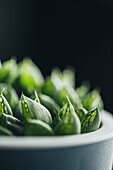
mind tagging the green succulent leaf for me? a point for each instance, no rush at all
(34, 110)
(52, 85)
(4, 119)
(57, 80)
(92, 100)
(69, 76)
(5, 132)
(66, 77)
(8, 71)
(83, 90)
(10, 94)
(18, 113)
(37, 128)
(4, 105)
(67, 121)
(91, 121)
(29, 77)
(12, 124)
(50, 104)
(81, 112)
(16, 129)
(37, 98)
(71, 93)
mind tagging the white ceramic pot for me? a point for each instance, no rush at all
(91, 151)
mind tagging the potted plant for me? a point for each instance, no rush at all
(58, 126)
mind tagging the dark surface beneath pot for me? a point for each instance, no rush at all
(96, 156)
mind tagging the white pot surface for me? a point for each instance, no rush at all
(104, 133)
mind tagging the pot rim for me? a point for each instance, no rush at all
(102, 134)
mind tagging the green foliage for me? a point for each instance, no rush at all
(54, 106)
(67, 121)
(10, 94)
(11, 123)
(92, 100)
(67, 90)
(52, 85)
(37, 128)
(34, 110)
(4, 106)
(81, 112)
(5, 132)
(28, 77)
(50, 104)
(91, 121)
(83, 90)
(8, 71)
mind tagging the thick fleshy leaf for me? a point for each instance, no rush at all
(83, 90)
(5, 132)
(56, 88)
(81, 112)
(52, 85)
(92, 100)
(16, 129)
(34, 110)
(37, 128)
(71, 93)
(50, 104)
(91, 121)
(37, 98)
(29, 77)
(18, 113)
(57, 80)
(4, 106)
(8, 70)
(67, 121)
(11, 123)
(9, 118)
(10, 94)
(69, 76)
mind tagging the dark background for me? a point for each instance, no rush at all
(61, 33)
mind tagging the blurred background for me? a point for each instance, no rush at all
(61, 33)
